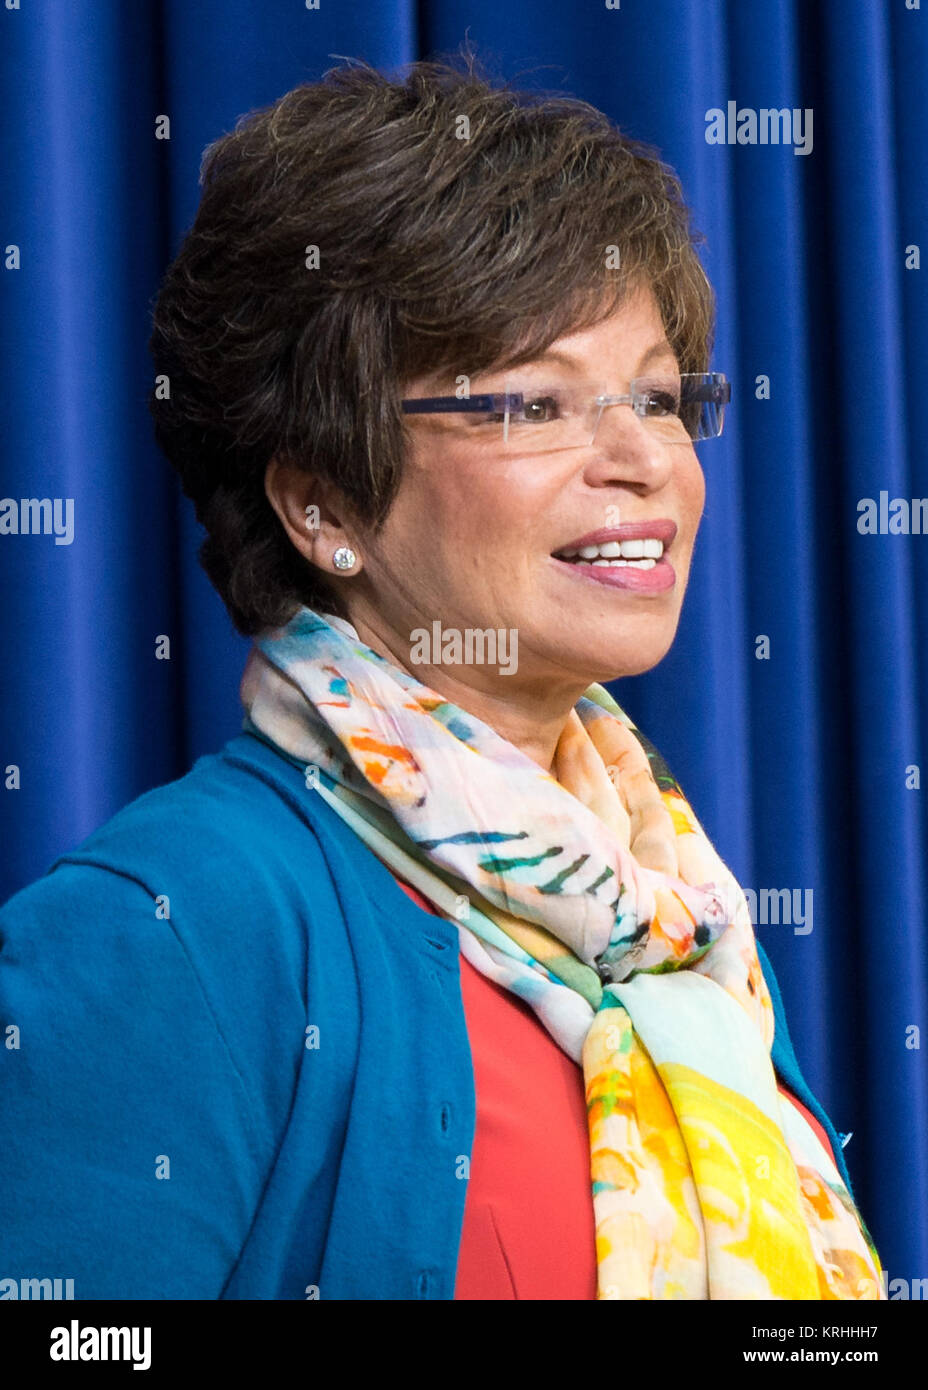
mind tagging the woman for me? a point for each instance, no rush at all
(360, 1006)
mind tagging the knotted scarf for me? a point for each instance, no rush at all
(596, 897)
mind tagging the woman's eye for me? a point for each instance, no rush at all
(662, 403)
(535, 410)
(539, 410)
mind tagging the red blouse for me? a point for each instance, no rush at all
(528, 1229)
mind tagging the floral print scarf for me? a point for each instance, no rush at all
(596, 897)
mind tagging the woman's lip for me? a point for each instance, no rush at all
(659, 528)
(657, 580)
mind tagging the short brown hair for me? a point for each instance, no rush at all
(461, 225)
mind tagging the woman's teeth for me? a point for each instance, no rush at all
(640, 554)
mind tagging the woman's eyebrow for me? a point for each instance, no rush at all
(662, 348)
(656, 350)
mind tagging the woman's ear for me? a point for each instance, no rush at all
(314, 516)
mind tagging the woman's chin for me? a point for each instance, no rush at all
(610, 660)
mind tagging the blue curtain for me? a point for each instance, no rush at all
(801, 752)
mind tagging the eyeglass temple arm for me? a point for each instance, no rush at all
(436, 405)
(718, 393)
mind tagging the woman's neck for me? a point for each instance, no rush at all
(530, 715)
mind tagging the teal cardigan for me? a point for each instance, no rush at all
(236, 1060)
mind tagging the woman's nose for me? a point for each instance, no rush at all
(624, 444)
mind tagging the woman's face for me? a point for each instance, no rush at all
(472, 537)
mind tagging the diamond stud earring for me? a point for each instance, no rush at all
(344, 558)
